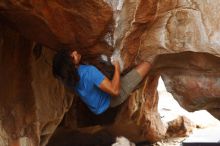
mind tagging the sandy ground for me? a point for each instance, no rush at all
(169, 109)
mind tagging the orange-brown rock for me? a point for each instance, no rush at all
(183, 35)
(180, 127)
(30, 111)
(55, 24)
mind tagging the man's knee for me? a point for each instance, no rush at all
(143, 68)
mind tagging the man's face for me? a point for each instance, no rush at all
(76, 57)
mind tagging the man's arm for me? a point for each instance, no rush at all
(112, 87)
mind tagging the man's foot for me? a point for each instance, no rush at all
(145, 55)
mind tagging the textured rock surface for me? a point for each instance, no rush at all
(180, 127)
(182, 34)
(29, 110)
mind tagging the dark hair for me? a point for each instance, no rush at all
(64, 68)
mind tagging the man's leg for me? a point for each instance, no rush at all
(130, 81)
(143, 68)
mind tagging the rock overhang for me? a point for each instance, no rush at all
(183, 35)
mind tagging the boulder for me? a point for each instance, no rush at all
(179, 37)
(180, 127)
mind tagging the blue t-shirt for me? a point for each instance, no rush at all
(88, 89)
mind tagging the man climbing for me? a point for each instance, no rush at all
(95, 89)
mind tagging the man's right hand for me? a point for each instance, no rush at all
(117, 57)
(115, 63)
(112, 86)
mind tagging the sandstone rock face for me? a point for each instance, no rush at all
(29, 110)
(182, 126)
(183, 35)
(58, 23)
